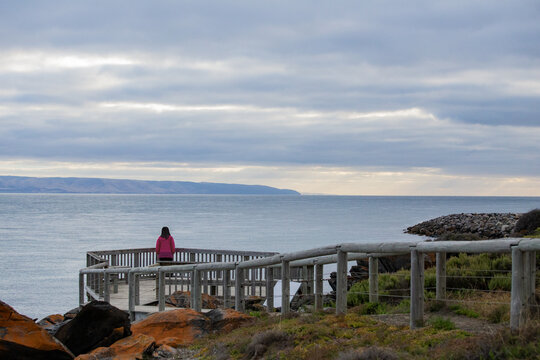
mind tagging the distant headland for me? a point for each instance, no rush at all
(75, 185)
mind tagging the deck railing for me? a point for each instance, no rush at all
(246, 274)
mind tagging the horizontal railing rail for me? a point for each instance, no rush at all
(263, 269)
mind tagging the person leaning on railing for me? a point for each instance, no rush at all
(165, 246)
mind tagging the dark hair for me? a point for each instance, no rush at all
(165, 232)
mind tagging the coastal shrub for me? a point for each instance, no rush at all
(460, 310)
(371, 353)
(261, 342)
(528, 222)
(373, 308)
(440, 323)
(535, 234)
(500, 282)
(476, 271)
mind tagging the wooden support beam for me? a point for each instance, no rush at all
(341, 283)
(131, 295)
(81, 289)
(319, 287)
(106, 287)
(226, 289)
(239, 289)
(269, 289)
(137, 289)
(417, 289)
(373, 279)
(285, 287)
(196, 290)
(161, 290)
(440, 292)
(310, 272)
(517, 301)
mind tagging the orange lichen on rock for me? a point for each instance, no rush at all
(173, 327)
(227, 319)
(22, 338)
(132, 347)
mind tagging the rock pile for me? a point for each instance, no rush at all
(479, 226)
(100, 331)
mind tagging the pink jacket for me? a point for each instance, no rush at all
(165, 247)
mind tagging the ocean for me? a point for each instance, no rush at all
(44, 237)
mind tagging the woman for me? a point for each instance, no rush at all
(165, 245)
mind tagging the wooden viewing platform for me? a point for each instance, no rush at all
(132, 280)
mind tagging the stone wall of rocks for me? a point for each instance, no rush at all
(484, 226)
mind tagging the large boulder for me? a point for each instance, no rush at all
(227, 319)
(132, 347)
(173, 327)
(97, 324)
(21, 338)
(182, 299)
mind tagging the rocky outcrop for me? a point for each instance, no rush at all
(182, 299)
(173, 327)
(132, 347)
(97, 324)
(227, 319)
(21, 338)
(468, 226)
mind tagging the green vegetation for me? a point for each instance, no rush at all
(371, 331)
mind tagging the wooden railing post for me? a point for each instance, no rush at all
(440, 292)
(239, 289)
(517, 303)
(373, 279)
(417, 289)
(131, 295)
(114, 262)
(310, 272)
(226, 289)
(106, 287)
(319, 287)
(285, 287)
(81, 289)
(341, 283)
(161, 290)
(270, 289)
(196, 290)
(137, 289)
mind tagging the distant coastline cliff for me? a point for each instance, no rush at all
(58, 185)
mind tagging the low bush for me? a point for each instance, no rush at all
(460, 310)
(440, 323)
(528, 222)
(371, 353)
(262, 341)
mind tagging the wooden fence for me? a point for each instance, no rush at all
(247, 272)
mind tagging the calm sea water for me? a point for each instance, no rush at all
(44, 237)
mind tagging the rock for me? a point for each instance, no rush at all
(51, 323)
(132, 347)
(165, 352)
(173, 327)
(468, 226)
(21, 338)
(227, 319)
(95, 325)
(182, 299)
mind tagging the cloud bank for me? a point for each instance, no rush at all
(350, 98)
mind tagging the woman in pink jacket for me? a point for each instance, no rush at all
(165, 245)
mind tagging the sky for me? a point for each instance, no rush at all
(345, 97)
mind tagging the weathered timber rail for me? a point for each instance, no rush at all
(217, 272)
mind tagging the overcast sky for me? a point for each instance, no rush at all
(346, 97)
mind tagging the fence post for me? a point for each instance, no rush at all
(285, 287)
(516, 303)
(417, 289)
(532, 298)
(239, 289)
(131, 295)
(161, 290)
(137, 290)
(440, 276)
(373, 279)
(114, 262)
(106, 288)
(310, 277)
(319, 287)
(196, 290)
(341, 280)
(226, 289)
(269, 289)
(81, 289)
